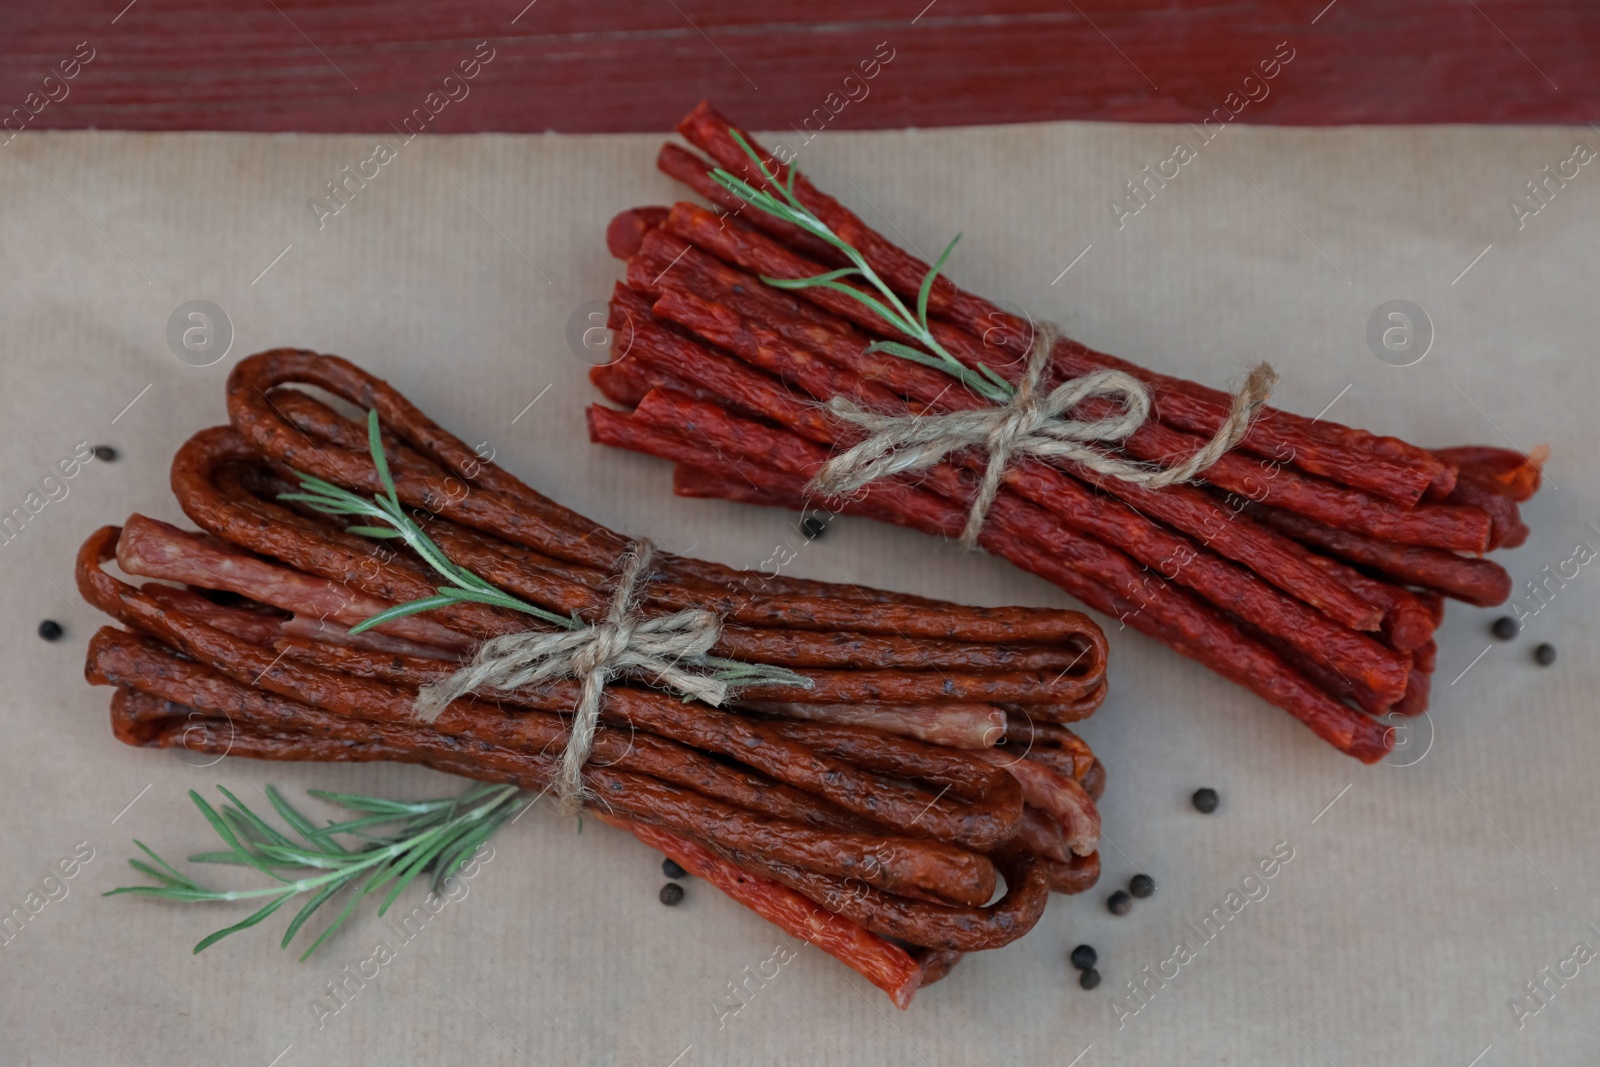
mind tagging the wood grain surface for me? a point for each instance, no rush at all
(636, 65)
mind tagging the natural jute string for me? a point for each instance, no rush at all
(623, 644)
(1027, 424)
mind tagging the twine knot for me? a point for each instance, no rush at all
(1029, 423)
(660, 650)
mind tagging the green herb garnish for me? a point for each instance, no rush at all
(428, 835)
(385, 507)
(985, 382)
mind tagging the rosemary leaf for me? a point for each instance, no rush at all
(815, 279)
(356, 802)
(211, 939)
(410, 607)
(899, 322)
(216, 857)
(373, 531)
(179, 878)
(927, 282)
(999, 382)
(379, 460)
(907, 352)
(299, 920)
(145, 868)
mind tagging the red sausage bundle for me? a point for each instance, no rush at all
(1308, 564)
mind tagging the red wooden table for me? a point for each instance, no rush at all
(366, 65)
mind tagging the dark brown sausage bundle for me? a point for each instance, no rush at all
(868, 809)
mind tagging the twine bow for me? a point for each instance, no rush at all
(656, 649)
(1028, 424)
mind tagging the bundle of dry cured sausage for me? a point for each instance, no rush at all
(1308, 564)
(874, 812)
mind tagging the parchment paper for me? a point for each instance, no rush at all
(1419, 899)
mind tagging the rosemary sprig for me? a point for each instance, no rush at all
(887, 305)
(330, 499)
(385, 507)
(429, 835)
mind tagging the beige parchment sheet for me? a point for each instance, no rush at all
(1420, 898)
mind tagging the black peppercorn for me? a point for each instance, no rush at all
(670, 868)
(1544, 655)
(105, 453)
(1084, 957)
(813, 527)
(1089, 978)
(1205, 800)
(1505, 628)
(50, 630)
(1141, 885)
(671, 894)
(1119, 903)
